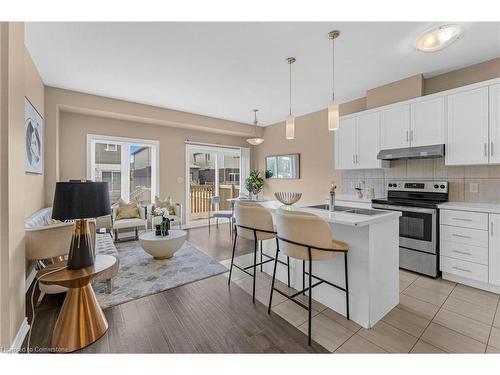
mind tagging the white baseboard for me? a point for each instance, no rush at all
(21, 335)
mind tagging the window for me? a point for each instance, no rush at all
(129, 166)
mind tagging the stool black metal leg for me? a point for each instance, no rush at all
(288, 270)
(274, 278)
(303, 276)
(232, 257)
(254, 264)
(310, 298)
(346, 288)
(260, 255)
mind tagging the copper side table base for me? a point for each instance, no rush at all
(81, 321)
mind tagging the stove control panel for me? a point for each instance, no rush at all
(422, 186)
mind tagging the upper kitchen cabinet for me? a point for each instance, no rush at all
(368, 128)
(345, 144)
(495, 124)
(467, 136)
(357, 142)
(427, 124)
(395, 127)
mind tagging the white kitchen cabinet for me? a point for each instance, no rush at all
(368, 128)
(395, 127)
(357, 142)
(467, 127)
(494, 249)
(427, 122)
(494, 124)
(345, 144)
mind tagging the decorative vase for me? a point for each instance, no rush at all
(158, 230)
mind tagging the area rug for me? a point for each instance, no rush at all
(140, 275)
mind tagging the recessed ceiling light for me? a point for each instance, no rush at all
(438, 38)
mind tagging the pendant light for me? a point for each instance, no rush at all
(290, 120)
(255, 141)
(333, 106)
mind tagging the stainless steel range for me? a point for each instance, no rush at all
(419, 223)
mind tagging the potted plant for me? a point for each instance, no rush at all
(254, 183)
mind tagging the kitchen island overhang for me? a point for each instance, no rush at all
(373, 263)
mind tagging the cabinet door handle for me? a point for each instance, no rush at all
(357, 158)
(491, 226)
(461, 236)
(460, 219)
(407, 136)
(485, 149)
(461, 269)
(353, 159)
(491, 148)
(411, 135)
(461, 252)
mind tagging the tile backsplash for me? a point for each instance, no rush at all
(467, 184)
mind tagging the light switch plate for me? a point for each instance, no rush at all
(473, 187)
(180, 180)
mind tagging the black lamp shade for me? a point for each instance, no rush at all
(80, 200)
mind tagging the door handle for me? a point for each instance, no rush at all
(486, 149)
(357, 158)
(461, 236)
(407, 139)
(411, 135)
(461, 269)
(491, 148)
(353, 159)
(459, 218)
(461, 252)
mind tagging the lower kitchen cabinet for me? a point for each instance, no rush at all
(470, 248)
(494, 249)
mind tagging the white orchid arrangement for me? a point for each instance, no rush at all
(159, 211)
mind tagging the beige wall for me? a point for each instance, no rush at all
(12, 182)
(316, 146)
(73, 146)
(34, 91)
(134, 119)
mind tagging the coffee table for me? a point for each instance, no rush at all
(162, 247)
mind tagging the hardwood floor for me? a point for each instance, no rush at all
(218, 244)
(205, 316)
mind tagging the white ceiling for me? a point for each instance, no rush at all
(227, 69)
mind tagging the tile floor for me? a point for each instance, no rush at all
(433, 316)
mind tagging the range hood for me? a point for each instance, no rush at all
(422, 152)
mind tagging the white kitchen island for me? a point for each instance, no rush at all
(373, 263)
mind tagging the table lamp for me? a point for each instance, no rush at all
(80, 200)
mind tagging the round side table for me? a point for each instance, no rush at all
(81, 320)
(162, 247)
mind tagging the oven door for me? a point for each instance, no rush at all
(417, 227)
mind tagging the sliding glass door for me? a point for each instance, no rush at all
(212, 171)
(130, 166)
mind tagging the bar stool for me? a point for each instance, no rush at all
(307, 237)
(254, 222)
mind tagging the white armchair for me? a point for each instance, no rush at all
(122, 225)
(176, 219)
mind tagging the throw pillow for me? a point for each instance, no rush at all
(165, 203)
(127, 210)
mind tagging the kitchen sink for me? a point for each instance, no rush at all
(349, 210)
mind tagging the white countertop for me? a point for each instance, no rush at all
(491, 208)
(342, 218)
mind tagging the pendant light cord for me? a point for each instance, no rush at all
(290, 101)
(333, 69)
